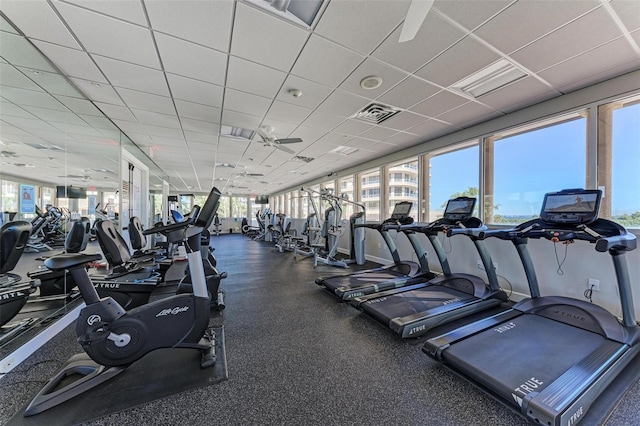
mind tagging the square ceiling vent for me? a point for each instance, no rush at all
(376, 113)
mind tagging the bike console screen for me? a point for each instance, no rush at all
(571, 206)
(459, 209)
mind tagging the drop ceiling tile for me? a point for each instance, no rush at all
(163, 132)
(146, 101)
(57, 116)
(238, 119)
(404, 139)
(325, 62)
(190, 90)
(435, 36)
(570, 40)
(140, 138)
(470, 13)
(28, 124)
(105, 36)
(533, 20)
(123, 9)
(343, 103)
(5, 26)
(98, 92)
(447, 68)
(408, 93)
(280, 129)
(324, 121)
(312, 93)
(522, 93)
(378, 133)
(371, 67)
(77, 131)
(592, 67)
(286, 112)
(629, 13)
(8, 109)
(80, 106)
(116, 112)
(18, 51)
(98, 122)
(247, 103)
(53, 83)
(469, 114)
(404, 120)
(197, 111)
(375, 20)
(277, 47)
(168, 141)
(360, 143)
(31, 98)
(191, 60)
(352, 127)
(11, 76)
(156, 119)
(200, 126)
(36, 19)
(131, 76)
(636, 36)
(204, 22)
(254, 78)
(439, 103)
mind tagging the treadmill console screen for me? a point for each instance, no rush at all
(571, 206)
(459, 209)
(401, 211)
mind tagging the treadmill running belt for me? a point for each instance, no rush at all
(398, 305)
(359, 280)
(523, 355)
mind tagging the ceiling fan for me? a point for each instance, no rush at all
(267, 140)
(417, 13)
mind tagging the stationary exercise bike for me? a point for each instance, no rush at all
(115, 338)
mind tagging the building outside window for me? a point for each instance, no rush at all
(403, 185)
(370, 193)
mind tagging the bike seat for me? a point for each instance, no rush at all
(70, 260)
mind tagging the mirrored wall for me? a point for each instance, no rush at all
(60, 161)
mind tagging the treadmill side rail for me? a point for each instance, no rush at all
(434, 347)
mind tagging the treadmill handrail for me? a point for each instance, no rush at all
(470, 232)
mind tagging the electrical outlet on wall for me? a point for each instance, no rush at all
(481, 265)
(593, 284)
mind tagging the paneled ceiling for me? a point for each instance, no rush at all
(169, 74)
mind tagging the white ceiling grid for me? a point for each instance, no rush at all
(170, 73)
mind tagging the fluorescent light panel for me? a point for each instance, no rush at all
(236, 132)
(493, 77)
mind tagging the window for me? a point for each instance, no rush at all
(618, 154)
(452, 173)
(224, 209)
(370, 194)
(239, 207)
(294, 201)
(529, 162)
(403, 185)
(346, 188)
(10, 196)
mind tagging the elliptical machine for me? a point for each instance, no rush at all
(114, 338)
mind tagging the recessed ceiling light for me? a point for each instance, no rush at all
(296, 93)
(36, 72)
(371, 82)
(96, 84)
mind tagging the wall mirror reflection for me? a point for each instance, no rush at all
(59, 172)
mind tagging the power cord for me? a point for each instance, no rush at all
(588, 293)
(559, 271)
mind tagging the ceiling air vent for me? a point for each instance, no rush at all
(303, 159)
(375, 113)
(343, 150)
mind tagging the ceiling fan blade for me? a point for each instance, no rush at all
(287, 140)
(417, 13)
(284, 148)
(254, 174)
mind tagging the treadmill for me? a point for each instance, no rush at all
(556, 354)
(413, 310)
(397, 274)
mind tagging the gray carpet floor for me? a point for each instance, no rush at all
(298, 356)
